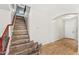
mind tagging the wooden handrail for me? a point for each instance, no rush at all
(6, 29)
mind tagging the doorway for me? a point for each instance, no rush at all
(71, 26)
(20, 10)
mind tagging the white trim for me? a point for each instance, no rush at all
(78, 33)
(7, 50)
(50, 42)
(9, 43)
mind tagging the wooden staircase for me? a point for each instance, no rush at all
(21, 44)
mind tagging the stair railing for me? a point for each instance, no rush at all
(11, 27)
(4, 40)
(7, 37)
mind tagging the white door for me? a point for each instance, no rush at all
(71, 28)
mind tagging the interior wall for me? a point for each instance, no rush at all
(71, 28)
(57, 29)
(5, 19)
(41, 25)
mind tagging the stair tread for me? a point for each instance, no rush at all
(26, 50)
(20, 47)
(20, 36)
(16, 42)
(19, 17)
(19, 28)
(22, 21)
(17, 24)
(17, 32)
(22, 44)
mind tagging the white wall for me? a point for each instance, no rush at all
(71, 27)
(41, 17)
(4, 20)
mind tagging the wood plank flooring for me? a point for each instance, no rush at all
(65, 46)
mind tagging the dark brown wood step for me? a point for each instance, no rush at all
(27, 51)
(21, 41)
(20, 47)
(19, 32)
(20, 36)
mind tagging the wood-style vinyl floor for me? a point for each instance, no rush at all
(65, 46)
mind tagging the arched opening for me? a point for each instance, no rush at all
(67, 27)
